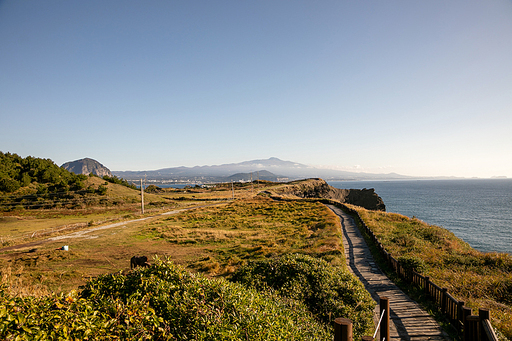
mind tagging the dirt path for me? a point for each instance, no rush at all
(86, 233)
(409, 320)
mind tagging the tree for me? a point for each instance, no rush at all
(9, 185)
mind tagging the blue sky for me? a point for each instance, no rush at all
(420, 88)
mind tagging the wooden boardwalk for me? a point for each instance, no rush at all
(409, 320)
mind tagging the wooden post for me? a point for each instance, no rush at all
(427, 286)
(484, 315)
(384, 325)
(342, 329)
(466, 312)
(460, 315)
(142, 196)
(444, 300)
(472, 328)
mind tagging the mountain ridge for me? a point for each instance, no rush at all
(282, 169)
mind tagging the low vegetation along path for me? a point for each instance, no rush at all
(410, 321)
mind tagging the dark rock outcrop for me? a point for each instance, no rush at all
(318, 188)
(87, 166)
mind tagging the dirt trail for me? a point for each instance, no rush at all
(86, 233)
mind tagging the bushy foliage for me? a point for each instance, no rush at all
(162, 302)
(16, 172)
(68, 317)
(413, 262)
(119, 181)
(328, 291)
(153, 189)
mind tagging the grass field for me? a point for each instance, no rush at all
(213, 240)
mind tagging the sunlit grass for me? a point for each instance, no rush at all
(252, 229)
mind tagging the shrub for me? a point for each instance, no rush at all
(163, 302)
(192, 307)
(153, 189)
(102, 189)
(9, 185)
(119, 181)
(328, 291)
(414, 263)
(68, 317)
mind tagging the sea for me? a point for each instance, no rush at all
(479, 211)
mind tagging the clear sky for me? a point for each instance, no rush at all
(420, 88)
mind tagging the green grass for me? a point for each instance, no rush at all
(251, 229)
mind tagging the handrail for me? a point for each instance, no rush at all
(488, 330)
(378, 325)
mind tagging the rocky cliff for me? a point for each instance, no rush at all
(87, 166)
(318, 188)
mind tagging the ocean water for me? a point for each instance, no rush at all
(478, 211)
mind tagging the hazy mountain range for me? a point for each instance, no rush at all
(272, 169)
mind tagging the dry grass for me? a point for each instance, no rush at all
(16, 283)
(251, 228)
(213, 240)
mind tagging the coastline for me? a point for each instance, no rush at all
(476, 210)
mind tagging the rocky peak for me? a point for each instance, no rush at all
(87, 166)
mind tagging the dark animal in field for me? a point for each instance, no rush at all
(139, 261)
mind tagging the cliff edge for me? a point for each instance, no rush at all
(318, 188)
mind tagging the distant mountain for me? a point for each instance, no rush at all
(287, 170)
(258, 175)
(87, 166)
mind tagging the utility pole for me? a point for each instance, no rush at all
(232, 189)
(142, 196)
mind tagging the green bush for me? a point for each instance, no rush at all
(328, 291)
(120, 181)
(153, 189)
(102, 189)
(413, 262)
(9, 185)
(61, 317)
(162, 302)
(192, 307)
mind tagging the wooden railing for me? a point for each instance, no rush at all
(472, 327)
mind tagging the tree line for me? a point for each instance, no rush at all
(17, 172)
